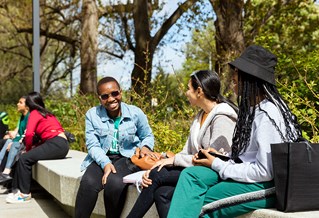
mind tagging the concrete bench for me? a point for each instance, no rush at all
(61, 178)
(273, 213)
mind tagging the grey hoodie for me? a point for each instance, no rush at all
(257, 161)
(216, 132)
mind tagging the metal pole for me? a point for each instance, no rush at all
(36, 45)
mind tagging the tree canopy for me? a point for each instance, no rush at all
(70, 42)
(79, 35)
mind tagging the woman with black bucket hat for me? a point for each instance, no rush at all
(218, 188)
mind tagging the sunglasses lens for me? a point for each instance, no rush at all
(115, 93)
(104, 96)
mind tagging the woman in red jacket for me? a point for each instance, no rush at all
(44, 140)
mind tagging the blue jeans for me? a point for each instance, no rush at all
(15, 148)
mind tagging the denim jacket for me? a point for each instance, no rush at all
(134, 131)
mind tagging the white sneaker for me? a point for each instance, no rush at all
(12, 193)
(18, 198)
(3, 190)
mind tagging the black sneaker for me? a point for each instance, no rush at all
(4, 178)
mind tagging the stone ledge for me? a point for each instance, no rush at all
(61, 178)
(272, 213)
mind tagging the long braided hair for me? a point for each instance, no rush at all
(250, 90)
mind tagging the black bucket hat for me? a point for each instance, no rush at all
(258, 62)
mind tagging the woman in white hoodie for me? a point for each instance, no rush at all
(212, 127)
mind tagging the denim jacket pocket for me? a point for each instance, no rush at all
(104, 136)
(129, 135)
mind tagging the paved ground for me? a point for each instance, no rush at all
(42, 205)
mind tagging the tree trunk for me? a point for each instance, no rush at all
(89, 47)
(145, 44)
(141, 74)
(229, 36)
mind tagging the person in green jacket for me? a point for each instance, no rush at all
(14, 140)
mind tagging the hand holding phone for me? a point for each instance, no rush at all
(220, 156)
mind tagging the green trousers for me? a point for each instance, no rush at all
(198, 186)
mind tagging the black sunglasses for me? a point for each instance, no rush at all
(113, 94)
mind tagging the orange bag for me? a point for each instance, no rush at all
(146, 162)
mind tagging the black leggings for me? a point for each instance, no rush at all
(160, 192)
(114, 190)
(54, 148)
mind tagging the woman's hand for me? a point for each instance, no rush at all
(145, 180)
(146, 151)
(9, 135)
(214, 150)
(160, 164)
(164, 162)
(207, 162)
(107, 170)
(12, 134)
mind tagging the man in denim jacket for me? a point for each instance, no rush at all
(113, 130)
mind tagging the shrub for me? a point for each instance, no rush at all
(300, 89)
(71, 114)
(168, 112)
(171, 117)
(13, 114)
(303, 100)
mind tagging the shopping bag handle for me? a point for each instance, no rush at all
(308, 147)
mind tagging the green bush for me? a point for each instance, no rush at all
(168, 111)
(71, 114)
(171, 117)
(305, 105)
(300, 89)
(13, 114)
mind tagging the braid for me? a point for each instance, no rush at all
(249, 90)
(246, 116)
(292, 134)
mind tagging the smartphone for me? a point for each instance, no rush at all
(222, 157)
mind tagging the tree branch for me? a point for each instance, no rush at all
(112, 54)
(10, 50)
(171, 21)
(127, 33)
(50, 35)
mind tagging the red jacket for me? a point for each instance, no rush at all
(44, 127)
